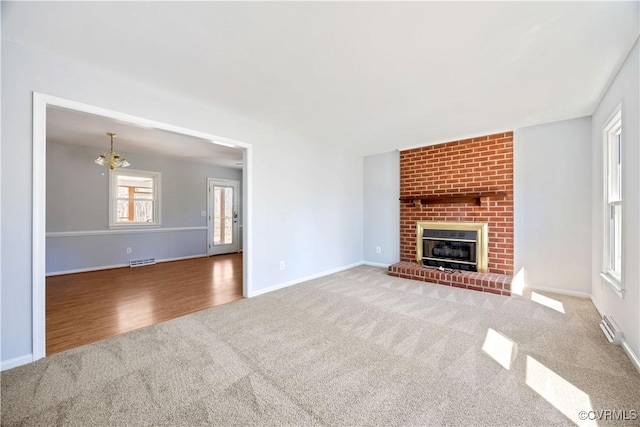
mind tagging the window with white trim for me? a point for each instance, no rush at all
(612, 141)
(134, 198)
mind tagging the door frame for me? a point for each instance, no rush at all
(40, 103)
(236, 228)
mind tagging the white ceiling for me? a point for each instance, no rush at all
(378, 75)
(76, 128)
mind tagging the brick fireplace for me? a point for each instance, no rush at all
(460, 181)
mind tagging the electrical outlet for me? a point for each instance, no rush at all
(282, 265)
(378, 249)
(128, 250)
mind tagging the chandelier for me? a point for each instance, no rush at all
(110, 158)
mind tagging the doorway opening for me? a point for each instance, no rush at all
(42, 104)
(223, 216)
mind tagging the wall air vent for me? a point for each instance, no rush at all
(611, 329)
(141, 262)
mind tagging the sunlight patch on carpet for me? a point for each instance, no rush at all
(547, 302)
(563, 395)
(500, 348)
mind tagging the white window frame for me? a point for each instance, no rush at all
(612, 197)
(113, 195)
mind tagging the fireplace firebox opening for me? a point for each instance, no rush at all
(455, 245)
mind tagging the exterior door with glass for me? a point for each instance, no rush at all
(222, 218)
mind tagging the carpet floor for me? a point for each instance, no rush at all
(353, 348)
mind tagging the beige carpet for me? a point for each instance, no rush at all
(354, 348)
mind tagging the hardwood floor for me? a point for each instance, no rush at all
(83, 308)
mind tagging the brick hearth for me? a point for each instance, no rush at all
(487, 282)
(443, 174)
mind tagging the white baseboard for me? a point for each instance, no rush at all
(181, 258)
(560, 291)
(630, 353)
(108, 267)
(596, 306)
(85, 270)
(15, 362)
(303, 279)
(634, 357)
(375, 264)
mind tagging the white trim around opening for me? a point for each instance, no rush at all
(40, 103)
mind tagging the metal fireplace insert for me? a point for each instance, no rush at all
(450, 249)
(452, 245)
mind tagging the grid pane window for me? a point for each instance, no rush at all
(134, 198)
(223, 215)
(613, 199)
(615, 238)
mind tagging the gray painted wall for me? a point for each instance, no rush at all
(307, 194)
(69, 253)
(77, 200)
(624, 90)
(552, 205)
(382, 208)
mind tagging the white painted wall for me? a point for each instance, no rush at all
(307, 195)
(624, 90)
(382, 208)
(552, 205)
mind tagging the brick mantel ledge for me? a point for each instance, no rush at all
(486, 282)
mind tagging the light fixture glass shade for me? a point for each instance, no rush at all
(110, 158)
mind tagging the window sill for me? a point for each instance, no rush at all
(613, 282)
